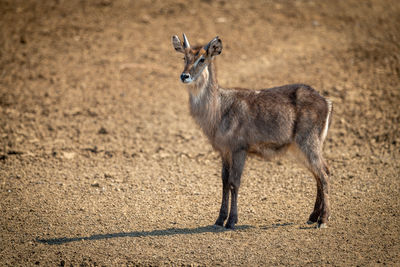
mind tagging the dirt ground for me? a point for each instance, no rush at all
(102, 165)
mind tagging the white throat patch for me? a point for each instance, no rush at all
(198, 88)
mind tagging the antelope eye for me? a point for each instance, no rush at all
(201, 60)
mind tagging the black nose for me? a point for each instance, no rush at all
(184, 76)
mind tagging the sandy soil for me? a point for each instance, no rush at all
(101, 164)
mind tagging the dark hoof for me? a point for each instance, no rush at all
(219, 222)
(232, 220)
(313, 218)
(230, 226)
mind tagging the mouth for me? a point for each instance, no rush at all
(187, 81)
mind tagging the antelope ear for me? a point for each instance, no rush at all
(177, 44)
(214, 47)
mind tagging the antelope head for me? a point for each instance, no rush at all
(197, 58)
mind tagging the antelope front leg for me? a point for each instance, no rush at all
(223, 212)
(235, 173)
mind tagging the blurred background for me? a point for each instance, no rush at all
(96, 137)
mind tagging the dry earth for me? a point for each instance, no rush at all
(101, 164)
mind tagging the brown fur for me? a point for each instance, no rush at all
(264, 122)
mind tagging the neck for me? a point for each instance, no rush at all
(204, 100)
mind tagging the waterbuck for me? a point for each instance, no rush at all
(264, 122)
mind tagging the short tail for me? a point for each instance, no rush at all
(327, 120)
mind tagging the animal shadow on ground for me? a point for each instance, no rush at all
(165, 232)
(276, 225)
